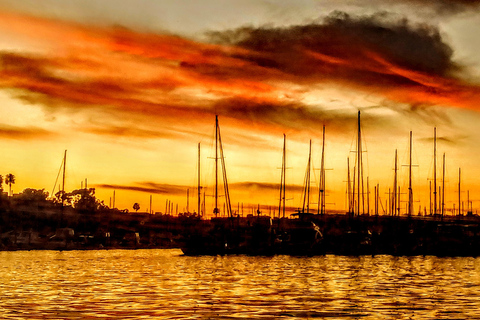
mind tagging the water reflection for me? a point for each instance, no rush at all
(165, 284)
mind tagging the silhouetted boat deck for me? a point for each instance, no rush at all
(335, 234)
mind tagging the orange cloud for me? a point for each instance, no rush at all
(247, 75)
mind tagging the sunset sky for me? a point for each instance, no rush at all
(130, 87)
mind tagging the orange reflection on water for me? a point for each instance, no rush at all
(165, 284)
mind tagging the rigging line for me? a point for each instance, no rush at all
(58, 175)
(225, 182)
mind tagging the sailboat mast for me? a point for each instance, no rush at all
(359, 162)
(63, 187)
(394, 208)
(284, 172)
(398, 201)
(390, 205)
(309, 169)
(215, 210)
(354, 203)
(321, 189)
(306, 199)
(282, 182)
(468, 203)
(410, 191)
(63, 179)
(443, 186)
(430, 196)
(368, 197)
(349, 187)
(227, 203)
(459, 197)
(198, 187)
(434, 170)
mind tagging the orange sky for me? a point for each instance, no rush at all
(130, 101)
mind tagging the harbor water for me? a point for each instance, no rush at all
(165, 284)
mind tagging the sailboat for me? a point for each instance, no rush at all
(254, 234)
(296, 236)
(229, 234)
(207, 237)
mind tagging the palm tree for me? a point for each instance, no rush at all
(136, 206)
(10, 179)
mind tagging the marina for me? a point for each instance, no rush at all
(263, 159)
(40, 223)
(354, 233)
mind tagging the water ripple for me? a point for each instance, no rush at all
(165, 284)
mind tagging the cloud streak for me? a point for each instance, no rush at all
(169, 189)
(263, 187)
(148, 187)
(23, 133)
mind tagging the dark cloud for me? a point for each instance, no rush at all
(448, 6)
(409, 64)
(341, 41)
(168, 189)
(123, 131)
(263, 186)
(148, 187)
(452, 140)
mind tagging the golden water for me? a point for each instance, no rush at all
(164, 284)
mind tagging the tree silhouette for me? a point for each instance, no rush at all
(1, 183)
(136, 207)
(32, 198)
(10, 179)
(62, 196)
(33, 195)
(84, 199)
